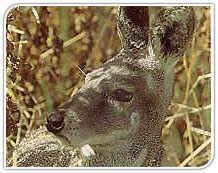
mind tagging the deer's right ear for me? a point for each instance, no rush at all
(133, 24)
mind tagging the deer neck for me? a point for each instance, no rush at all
(117, 156)
(133, 151)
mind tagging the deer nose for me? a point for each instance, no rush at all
(55, 122)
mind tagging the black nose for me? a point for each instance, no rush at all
(55, 122)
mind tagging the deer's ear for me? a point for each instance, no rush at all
(172, 31)
(133, 24)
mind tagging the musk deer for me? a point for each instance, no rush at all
(121, 108)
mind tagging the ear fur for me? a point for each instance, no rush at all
(168, 36)
(133, 24)
(172, 31)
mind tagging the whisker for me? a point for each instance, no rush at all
(81, 70)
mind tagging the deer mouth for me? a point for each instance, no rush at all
(63, 139)
(82, 136)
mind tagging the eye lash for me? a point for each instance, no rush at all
(121, 95)
(120, 106)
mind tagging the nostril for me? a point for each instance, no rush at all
(55, 122)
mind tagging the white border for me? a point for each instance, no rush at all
(116, 4)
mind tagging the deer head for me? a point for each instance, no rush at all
(121, 108)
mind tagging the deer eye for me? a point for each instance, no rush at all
(121, 95)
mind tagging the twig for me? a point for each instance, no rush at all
(188, 73)
(185, 101)
(191, 112)
(27, 114)
(11, 141)
(19, 131)
(197, 81)
(189, 132)
(14, 158)
(74, 39)
(19, 42)
(200, 117)
(184, 106)
(35, 13)
(66, 44)
(20, 46)
(196, 152)
(12, 28)
(32, 121)
(200, 131)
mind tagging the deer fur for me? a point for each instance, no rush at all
(121, 108)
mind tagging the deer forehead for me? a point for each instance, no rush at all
(106, 74)
(116, 73)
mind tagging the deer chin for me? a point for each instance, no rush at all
(103, 143)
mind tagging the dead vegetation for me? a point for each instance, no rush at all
(50, 50)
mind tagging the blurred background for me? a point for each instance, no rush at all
(50, 49)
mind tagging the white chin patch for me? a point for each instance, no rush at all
(135, 121)
(87, 150)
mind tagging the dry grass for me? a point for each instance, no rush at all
(41, 74)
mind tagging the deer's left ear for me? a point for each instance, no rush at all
(133, 24)
(172, 31)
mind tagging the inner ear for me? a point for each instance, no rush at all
(173, 29)
(133, 24)
(138, 15)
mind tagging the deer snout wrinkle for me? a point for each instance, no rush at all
(55, 122)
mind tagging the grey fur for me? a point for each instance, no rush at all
(123, 131)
